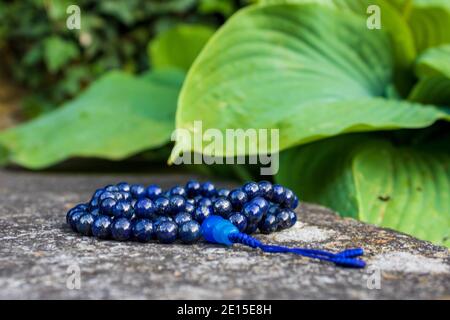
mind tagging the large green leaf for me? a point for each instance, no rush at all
(429, 21)
(306, 69)
(119, 115)
(372, 180)
(435, 89)
(434, 62)
(179, 46)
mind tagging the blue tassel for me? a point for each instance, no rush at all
(215, 229)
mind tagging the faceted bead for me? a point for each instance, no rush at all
(84, 224)
(189, 232)
(177, 204)
(192, 188)
(239, 220)
(182, 218)
(268, 224)
(153, 191)
(202, 212)
(238, 198)
(222, 207)
(101, 228)
(143, 230)
(162, 205)
(251, 189)
(167, 232)
(145, 208)
(121, 229)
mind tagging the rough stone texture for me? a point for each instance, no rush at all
(36, 250)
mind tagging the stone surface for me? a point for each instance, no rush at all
(38, 252)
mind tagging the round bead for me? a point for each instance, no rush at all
(189, 232)
(111, 188)
(294, 203)
(251, 189)
(238, 198)
(182, 218)
(293, 217)
(278, 194)
(142, 230)
(268, 224)
(192, 188)
(144, 208)
(101, 228)
(137, 191)
(106, 195)
(126, 195)
(201, 213)
(121, 229)
(177, 204)
(73, 210)
(153, 191)
(252, 212)
(205, 202)
(84, 224)
(222, 207)
(288, 198)
(95, 212)
(239, 220)
(107, 205)
(123, 186)
(189, 208)
(273, 209)
(74, 218)
(123, 209)
(177, 191)
(160, 220)
(167, 232)
(94, 203)
(208, 189)
(162, 205)
(97, 193)
(284, 219)
(265, 189)
(223, 192)
(262, 203)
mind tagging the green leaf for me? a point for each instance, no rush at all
(429, 21)
(58, 52)
(308, 70)
(371, 179)
(179, 46)
(117, 116)
(434, 62)
(434, 89)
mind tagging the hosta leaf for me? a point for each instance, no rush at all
(119, 115)
(305, 69)
(429, 21)
(370, 179)
(435, 90)
(434, 62)
(179, 46)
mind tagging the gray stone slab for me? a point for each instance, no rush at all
(37, 249)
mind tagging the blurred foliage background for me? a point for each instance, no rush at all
(45, 64)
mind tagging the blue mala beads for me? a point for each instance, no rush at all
(196, 211)
(135, 212)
